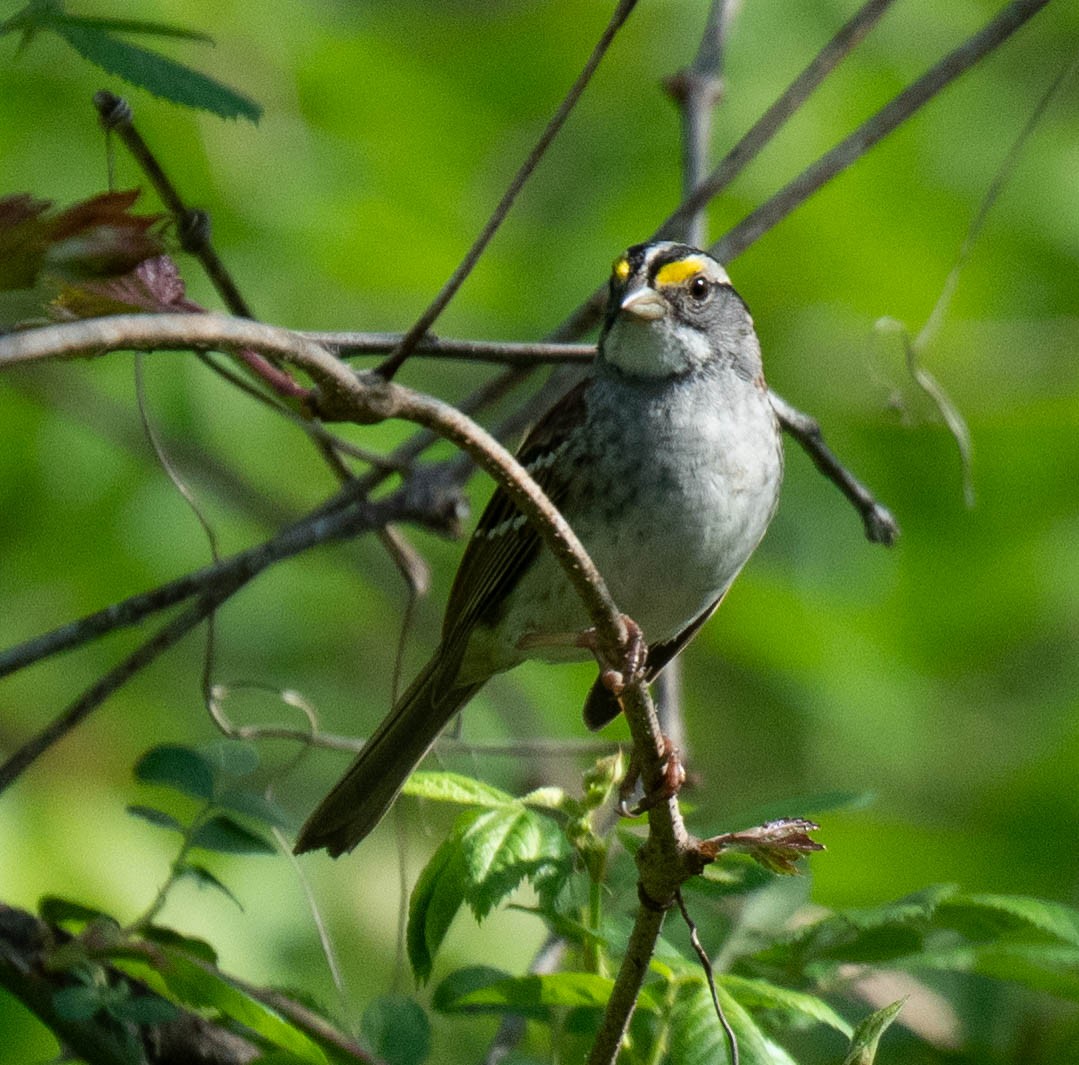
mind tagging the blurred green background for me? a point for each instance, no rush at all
(941, 676)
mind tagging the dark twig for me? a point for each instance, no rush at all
(745, 151)
(880, 524)
(193, 226)
(449, 289)
(349, 345)
(710, 977)
(227, 578)
(876, 128)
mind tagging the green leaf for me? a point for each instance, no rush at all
(146, 1009)
(487, 855)
(155, 817)
(200, 988)
(169, 937)
(536, 995)
(135, 26)
(1044, 967)
(501, 847)
(58, 911)
(204, 878)
(397, 1030)
(455, 788)
(990, 916)
(221, 833)
(234, 758)
(159, 75)
(766, 995)
(179, 768)
(254, 805)
(863, 1044)
(79, 1003)
(438, 895)
(698, 1038)
(462, 982)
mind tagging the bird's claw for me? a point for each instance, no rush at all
(665, 783)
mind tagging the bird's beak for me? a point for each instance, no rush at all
(645, 303)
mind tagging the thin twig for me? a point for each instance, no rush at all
(880, 524)
(193, 226)
(710, 977)
(876, 128)
(352, 345)
(749, 146)
(229, 576)
(449, 289)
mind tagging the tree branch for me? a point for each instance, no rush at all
(449, 289)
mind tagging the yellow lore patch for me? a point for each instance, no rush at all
(677, 272)
(621, 268)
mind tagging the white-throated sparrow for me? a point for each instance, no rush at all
(666, 461)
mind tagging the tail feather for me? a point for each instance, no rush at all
(362, 796)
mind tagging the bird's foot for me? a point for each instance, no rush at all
(614, 675)
(665, 782)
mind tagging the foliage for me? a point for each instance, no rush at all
(942, 676)
(101, 41)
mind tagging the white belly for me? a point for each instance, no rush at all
(669, 534)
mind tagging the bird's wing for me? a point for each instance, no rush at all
(505, 543)
(602, 706)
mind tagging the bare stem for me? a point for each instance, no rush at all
(876, 128)
(193, 225)
(449, 289)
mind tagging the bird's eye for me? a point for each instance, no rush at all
(699, 288)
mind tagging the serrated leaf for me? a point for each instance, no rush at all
(254, 805)
(397, 1030)
(502, 847)
(438, 895)
(200, 988)
(864, 1042)
(488, 854)
(763, 994)
(698, 1038)
(79, 1003)
(992, 915)
(154, 816)
(157, 74)
(177, 767)
(226, 836)
(455, 788)
(204, 878)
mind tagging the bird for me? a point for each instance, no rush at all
(666, 460)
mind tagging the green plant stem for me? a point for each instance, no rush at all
(146, 918)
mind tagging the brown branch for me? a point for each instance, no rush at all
(449, 289)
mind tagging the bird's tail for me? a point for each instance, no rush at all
(364, 794)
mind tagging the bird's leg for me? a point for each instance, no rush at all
(614, 675)
(667, 781)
